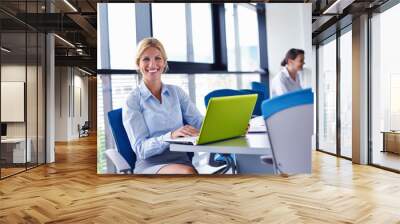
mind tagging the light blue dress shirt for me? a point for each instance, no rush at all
(148, 122)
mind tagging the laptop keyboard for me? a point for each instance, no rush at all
(189, 138)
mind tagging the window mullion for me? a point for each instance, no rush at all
(190, 52)
(238, 62)
(144, 27)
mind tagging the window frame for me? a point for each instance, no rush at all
(143, 13)
(378, 10)
(326, 37)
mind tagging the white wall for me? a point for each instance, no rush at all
(70, 83)
(14, 72)
(61, 103)
(17, 73)
(79, 117)
(33, 126)
(289, 26)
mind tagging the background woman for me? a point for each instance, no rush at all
(288, 79)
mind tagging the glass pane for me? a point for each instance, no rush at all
(327, 97)
(163, 15)
(121, 86)
(248, 36)
(246, 80)
(180, 80)
(32, 99)
(242, 38)
(385, 89)
(202, 33)
(13, 87)
(101, 147)
(230, 38)
(346, 94)
(394, 101)
(122, 35)
(206, 83)
(41, 99)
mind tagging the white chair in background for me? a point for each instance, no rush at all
(289, 120)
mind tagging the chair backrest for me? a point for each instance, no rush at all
(120, 136)
(289, 121)
(260, 99)
(234, 92)
(259, 86)
(86, 125)
(221, 92)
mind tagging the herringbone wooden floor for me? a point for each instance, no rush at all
(70, 191)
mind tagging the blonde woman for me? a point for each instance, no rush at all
(155, 111)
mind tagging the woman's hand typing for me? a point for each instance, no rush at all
(184, 131)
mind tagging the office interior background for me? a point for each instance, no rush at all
(39, 108)
(49, 86)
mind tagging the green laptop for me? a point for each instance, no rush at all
(226, 117)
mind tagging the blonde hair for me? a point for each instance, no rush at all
(147, 43)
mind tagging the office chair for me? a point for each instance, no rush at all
(84, 129)
(289, 121)
(260, 98)
(123, 158)
(259, 86)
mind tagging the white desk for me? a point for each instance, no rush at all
(248, 150)
(18, 151)
(251, 144)
(257, 125)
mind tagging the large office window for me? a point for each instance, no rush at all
(327, 97)
(165, 15)
(22, 95)
(346, 94)
(110, 98)
(385, 87)
(122, 38)
(101, 141)
(121, 85)
(335, 73)
(210, 82)
(242, 37)
(192, 29)
(13, 84)
(202, 33)
(181, 80)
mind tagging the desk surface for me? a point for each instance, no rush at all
(13, 140)
(251, 144)
(257, 125)
(390, 132)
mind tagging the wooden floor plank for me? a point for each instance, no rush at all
(70, 191)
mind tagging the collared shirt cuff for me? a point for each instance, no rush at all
(166, 137)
